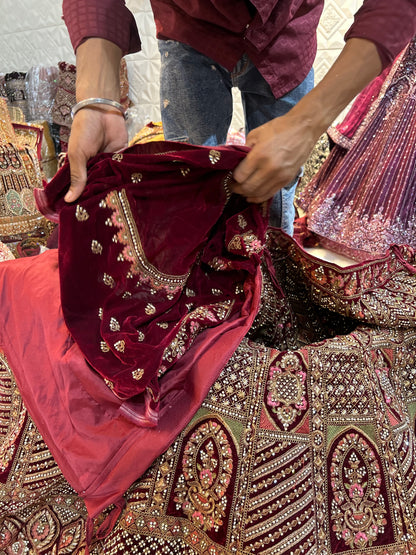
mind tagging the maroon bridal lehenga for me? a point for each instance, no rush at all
(177, 378)
(363, 199)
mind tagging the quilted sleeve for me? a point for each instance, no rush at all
(108, 19)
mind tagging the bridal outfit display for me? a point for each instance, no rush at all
(363, 199)
(178, 378)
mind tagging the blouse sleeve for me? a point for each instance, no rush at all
(108, 19)
(390, 24)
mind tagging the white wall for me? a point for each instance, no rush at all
(33, 33)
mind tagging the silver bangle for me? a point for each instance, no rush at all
(88, 101)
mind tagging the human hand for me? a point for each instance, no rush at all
(94, 130)
(278, 150)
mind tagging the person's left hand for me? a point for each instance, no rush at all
(278, 150)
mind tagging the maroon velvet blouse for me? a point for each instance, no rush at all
(154, 252)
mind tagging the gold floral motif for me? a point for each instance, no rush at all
(136, 177)
(138, 374)
(100, 313)
(114, 324)
(117, 157)
(216, 292)
(140, 336)
(104, 347)
(120, 345)
(108, 222)
(242, 222)
(163, 325)
(235, 243)
(214, 156)
(185, 171)
(189, 292)
(109, 384)
(96, 247)
(108, 280)
(126, 295)
(102, 204)
(150, 309)
(81, 214)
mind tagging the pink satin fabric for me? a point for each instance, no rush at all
(97, 438)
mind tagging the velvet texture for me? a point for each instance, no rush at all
(154, 252)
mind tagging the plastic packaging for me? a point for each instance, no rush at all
(41, 88)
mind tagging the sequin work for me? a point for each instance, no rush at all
(363, 199)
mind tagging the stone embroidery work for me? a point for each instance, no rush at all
(293, 451)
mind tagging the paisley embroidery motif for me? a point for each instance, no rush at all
(207, 467)
(14, 202)
(96, 247)
(81, 214)
(214, 156)
(358, 509)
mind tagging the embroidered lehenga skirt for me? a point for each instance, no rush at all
(299, 440)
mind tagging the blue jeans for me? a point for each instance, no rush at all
(197, 106)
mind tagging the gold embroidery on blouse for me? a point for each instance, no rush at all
(140, 336)
(235, 243)
(214, 156)
(242, 222)
(81, 214)
(114, 324)
(117, 157)
(120, 345)
(185, 171)
(108, 280)
(100, 313)
(138, 374)
(104, 347)
(136, 177)
(150, 309)
(96, 247)
(133, 252)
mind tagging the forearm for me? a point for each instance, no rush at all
(98, 69)
(358, 63)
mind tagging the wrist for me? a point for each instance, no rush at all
(94, 102)
(98, 70)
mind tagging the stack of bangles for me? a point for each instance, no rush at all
(91, 101)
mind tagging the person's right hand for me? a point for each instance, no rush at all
(94, 129)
